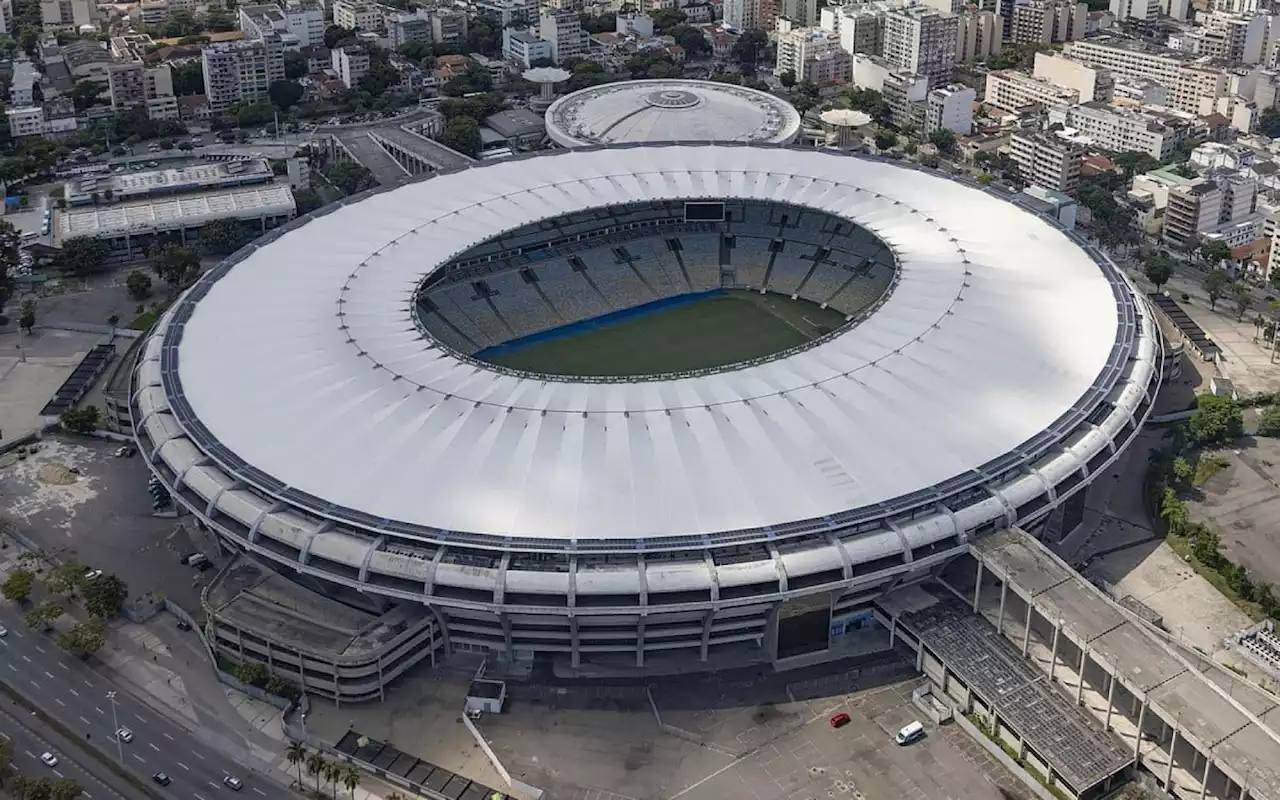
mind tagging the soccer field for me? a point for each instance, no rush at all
(722, 328)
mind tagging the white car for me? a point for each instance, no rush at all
(3, 631)
(93, 574)
(125, 735)
(49, 759)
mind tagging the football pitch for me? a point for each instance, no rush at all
(709, 331)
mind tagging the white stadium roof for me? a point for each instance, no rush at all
(304, 371)
(665, 110)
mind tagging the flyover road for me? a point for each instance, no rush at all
(31, 737)
(69, 690)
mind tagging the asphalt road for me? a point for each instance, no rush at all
(76, 695)
(31, 737)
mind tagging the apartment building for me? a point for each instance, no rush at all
(1156, 132)
(354, 15)
(979, 35)
(243, 70)
(509, 12)
(1090, 83)
(132, 83)
(904, 92)
(741, 15)
(1139, 10)
(22, 86)
(68, 13)
(806, 52)
(922, 41)
(448, 27)
(1047, 21)
(950, 107)
(562, 31)
(1047, 160)
(1018, 93)
(25, 121)
(1193, 82)
(299, 23)
(802, 13)
(351, 64)
(860, 27)
(524, 47)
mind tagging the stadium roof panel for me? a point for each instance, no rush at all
(304, 360)
(664, 110)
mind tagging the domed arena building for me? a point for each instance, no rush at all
(671, 110)
(701, 402)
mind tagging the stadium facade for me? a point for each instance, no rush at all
(316, 402)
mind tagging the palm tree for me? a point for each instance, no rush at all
(332, 774)
(350, 779)
(295, 754)
(315, 766)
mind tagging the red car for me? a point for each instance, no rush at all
(839, 720)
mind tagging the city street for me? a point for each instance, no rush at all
(91, 702)
(31, 737)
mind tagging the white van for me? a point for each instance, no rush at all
(909, 734)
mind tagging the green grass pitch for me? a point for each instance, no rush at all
(719, 330)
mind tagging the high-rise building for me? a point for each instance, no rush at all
(1143, 10)
(1091, 83)
(950, 108)
(978, 35)
(131, 83)
(802, 13)
(1047, 21)
(562, 30)
(1048, 160)
(300, 23)
(860, 27)
(811, 54)
(1017, 92)
(1193, 82)
(742, 15)
(1158, 133)
(351, 64)
(922, 40)
(244, 70)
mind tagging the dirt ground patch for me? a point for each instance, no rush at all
(1241, 502)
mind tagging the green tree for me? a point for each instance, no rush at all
(985, 178)
(787, 79)
(295, 65)
(295, 754)
(1181, 471)
(43, 615)
(1242, 296)
(64, 578)
(188, 78)
(885, 140)
(225, 236)
(176, 265)
(1215, 285)
(463, 135)
(1158, 269)
(334, 34)
(27, 317)
(65, 789)
(1214, 252)
(84, 638)
(82, 255)
(315, 766)
(285, 94)
(1174, 512)
(10, 241)
(307, 200)
(1217, 418)
(943, 139)
(750, 49)
(17, 587)
(350, 779)
(81, 420)
(24, 788)
(1269, 122)
(104, 596)
(139, 284)
(1268, 425)
(333, 771)
(350, 177)
(6, 757)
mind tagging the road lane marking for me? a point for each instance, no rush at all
(41, 649)
(19, 634)
(24, 658)
(49, 674)
(86, 794)
(153, 747)
(197, 755)
(33, 683)
(74, 692)
(100, 711)
(85, 721)
(59, 702)
(90, 685)
(59, 774)
(29, 754)
(64, 666)
(198, 797)
(140, 758)
(3, 642)
(12, 667)
(140, 719)
(259, 791)
(214, 785)
(167, 736)
(184, 766)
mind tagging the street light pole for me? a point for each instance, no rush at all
(115, 720)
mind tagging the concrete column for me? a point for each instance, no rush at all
(1111, 694)
(1142, 715)
(1204, 778)
(1026, 631)
(640, 643)
(977, 589)
(893, 631)
(382, 686)
(576, 656)
(920, 656)
(1168, 776)
(1084, 657)
(1053, 658)
(1004, 593)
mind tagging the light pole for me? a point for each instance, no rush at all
(116, 721)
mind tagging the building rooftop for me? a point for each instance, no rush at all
(169, 181)
(515, 122)
(175, 211)
(670, 111)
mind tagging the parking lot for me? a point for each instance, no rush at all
(74, 498)
(707, 738)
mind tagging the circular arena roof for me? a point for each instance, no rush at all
(670, 111)
(299, 369)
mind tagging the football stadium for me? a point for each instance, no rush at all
(652, 402)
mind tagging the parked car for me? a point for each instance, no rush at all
(183, 625)
(839, 720)
(3, 631)
(93, 574)
(909, 734)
